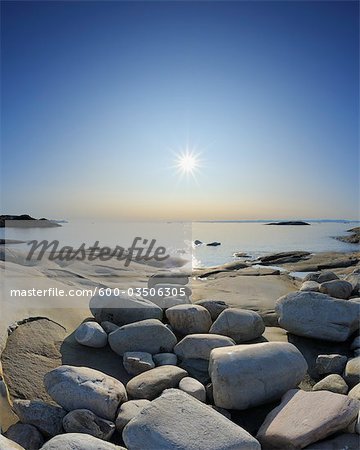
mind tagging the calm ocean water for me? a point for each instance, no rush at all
(254, 238)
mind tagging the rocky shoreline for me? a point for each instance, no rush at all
(213, 370)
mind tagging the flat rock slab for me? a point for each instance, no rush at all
(303, 418)
(187, 425)
(32, 350)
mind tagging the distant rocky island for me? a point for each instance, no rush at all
(291, 222)
(354, 238)
(26, 221)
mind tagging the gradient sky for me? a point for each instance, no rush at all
(97, 97)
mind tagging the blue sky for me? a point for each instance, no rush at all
(98, 97)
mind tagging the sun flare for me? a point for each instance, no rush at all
(187, 163)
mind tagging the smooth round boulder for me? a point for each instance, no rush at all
(137, 362)
(352, 371)
(193, 387)
(152, 383)
(78, 441)
(317, 315)
(189, 319)
(109, 327)
(85, 421)
(150, 336)
(241, 325)
(215, 307)
(83, 388)
(355, 392)
(128, 411)
(249, 375)
(123, 309)
(199, 346)
(327, 364)
(91, 334)
(310, 286)
(25, 435)
(337, 289)
(326, 276)
(165, 359)
(7, 444)
(333, 383)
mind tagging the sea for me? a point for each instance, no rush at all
(253, 238)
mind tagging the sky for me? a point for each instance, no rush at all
(99, 99)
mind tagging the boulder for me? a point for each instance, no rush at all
(326, 364)
(137, 362)
(355, 392)
(188, 319)
(215, 307)
(83, 388)
(109, 327)
(352, 371)
(25, 435)
(168, 302)
(312, 286)
(326, 276)
(165, 359)
(187, 425)
(85, 421)
(128, 411)
(152, 383)
(244, 376)
(344, 441)
(354, 280)
(239, 324)
(45, 417)
(123, 309)
(7, 444)
(79, 441)
(193, 387)
(355, 343)
(149, 336)
(91, 334)
(168, 278)
(303, 418)
(316, 315)
(197, 368)
(333, 383)
(337, 288)
(199, 346)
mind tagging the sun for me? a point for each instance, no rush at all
(187, 163)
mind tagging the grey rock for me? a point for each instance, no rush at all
(85, 421)
(337, 288)
(187, 425)
(215, 307)
(312, 286)
(128, 411)
(168, 302)
(165, 359)
(313, 276)
(333, 383)
(137, 362)
(45, 417)
(109, 327)
(188, 319)
(355, 343)
(330, 364)
(239, 324)
(123, 309)
(327, 276)
(193, 387)
(25, 435)
(91, 334)
(354, 280)
(168, 278)
(83, 388)
(199, 346)
(244, 376)
(149, 336)
(316, 315)
(79, 441)
(7, 444)
(303, 418)
(344, 441)
(152, 383)
(355, 392)
(352, 371)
